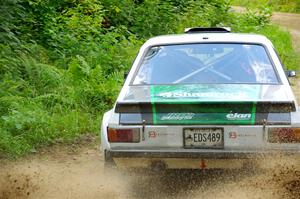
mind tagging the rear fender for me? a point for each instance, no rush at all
(295, 118)
(103, 134)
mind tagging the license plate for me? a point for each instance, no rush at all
(203, 138)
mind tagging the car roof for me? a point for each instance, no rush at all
(207, 37)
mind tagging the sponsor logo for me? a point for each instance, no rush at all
(200, 95)
(239, 116)
(247, 135)
(152, 134)
(178, 116)
(232, 135)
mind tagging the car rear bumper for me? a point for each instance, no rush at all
(193, 159)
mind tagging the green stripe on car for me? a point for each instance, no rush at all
(240, 95)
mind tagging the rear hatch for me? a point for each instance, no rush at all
(206, 104)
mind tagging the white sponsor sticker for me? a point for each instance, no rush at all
(178, 116)
(200, 95)
(239, 116)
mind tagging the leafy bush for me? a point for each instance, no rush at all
(202, 13)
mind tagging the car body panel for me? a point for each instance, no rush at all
(206, 104)
(244, 112)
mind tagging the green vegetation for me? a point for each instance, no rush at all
(62, 62)
(277, 5)
(283, 44)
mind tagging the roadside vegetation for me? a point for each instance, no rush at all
(62, 62)
(277, 5)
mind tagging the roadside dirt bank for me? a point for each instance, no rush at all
(292, 23)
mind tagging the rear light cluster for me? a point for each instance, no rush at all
(123, 135)
(284, 135)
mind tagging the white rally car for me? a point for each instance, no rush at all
(204, 99)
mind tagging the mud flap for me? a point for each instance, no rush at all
(108, 160)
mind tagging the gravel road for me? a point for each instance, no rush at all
(77, 172)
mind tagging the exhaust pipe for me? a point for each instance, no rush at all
(158, 166)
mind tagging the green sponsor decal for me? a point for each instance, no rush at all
(203, 93)
(233, 95)
(204, 118)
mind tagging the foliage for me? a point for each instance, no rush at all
(283, 44)
(202, 13)
(251, 20)
(62, 62)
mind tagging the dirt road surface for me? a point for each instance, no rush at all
(77, 171)
(292, 23)
(66, 172)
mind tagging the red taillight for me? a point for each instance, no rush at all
(284, 135)
(123, 135)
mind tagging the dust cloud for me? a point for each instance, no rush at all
(66, 174)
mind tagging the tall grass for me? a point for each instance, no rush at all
(283, 44)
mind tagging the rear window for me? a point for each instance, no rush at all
(205, 64)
